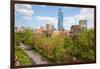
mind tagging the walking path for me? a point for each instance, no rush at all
(34, 57)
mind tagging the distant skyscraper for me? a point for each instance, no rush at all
(60, 19)
(83, 25)
(49, 27)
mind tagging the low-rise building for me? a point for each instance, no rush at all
(19, 29)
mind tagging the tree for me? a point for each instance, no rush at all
(24, 36)
(84, 43)
(28, 37)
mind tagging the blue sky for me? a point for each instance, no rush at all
(35, 16)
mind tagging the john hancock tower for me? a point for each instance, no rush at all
(60, 19)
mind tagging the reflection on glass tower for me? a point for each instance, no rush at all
(60, 19)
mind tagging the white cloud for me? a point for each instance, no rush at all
(67, 7)
(43, 5)
(24, 10)
(27, 18)
(86, 13)
(69, 20)
(49, 19)
(42, 18)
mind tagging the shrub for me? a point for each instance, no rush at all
(21, 56)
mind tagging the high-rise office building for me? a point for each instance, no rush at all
(83, 23)
(60, 19)
(49, 27)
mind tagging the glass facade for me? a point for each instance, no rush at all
(60, 19)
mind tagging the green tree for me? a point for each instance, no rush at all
(28, 37)
(84, 43)
(25, 36)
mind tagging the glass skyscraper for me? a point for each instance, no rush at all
(60, 19)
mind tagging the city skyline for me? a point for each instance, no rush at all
(35, 16)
